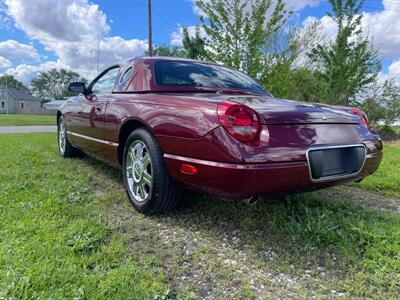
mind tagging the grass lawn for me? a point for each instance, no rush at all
(67, 231)
(387, 178)
(20, 120)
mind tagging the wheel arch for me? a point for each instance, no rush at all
(125, 130)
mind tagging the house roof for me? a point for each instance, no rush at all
(23, 95)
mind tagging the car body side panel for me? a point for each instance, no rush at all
(162, 115)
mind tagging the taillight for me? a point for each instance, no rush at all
(240, 121)
(359, 113)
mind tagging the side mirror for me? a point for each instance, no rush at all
(77, 87)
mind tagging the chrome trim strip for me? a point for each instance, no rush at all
(238, 166)
(335, 177)
(93, 139)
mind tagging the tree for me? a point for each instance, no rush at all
(164, 50)
(348, 64)
(53, 84)
(381, 103)
(11, 81)
(236, 30)
(194, 47)
(287, 71)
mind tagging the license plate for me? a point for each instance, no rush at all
(335, 162)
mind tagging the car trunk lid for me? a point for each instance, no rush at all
(282, 111)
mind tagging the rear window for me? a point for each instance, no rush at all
(194, 74)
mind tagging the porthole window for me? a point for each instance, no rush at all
(126, 75)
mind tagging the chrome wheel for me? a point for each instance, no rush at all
(139, 171)
(62, 138)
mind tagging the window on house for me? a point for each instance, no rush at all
(22, 105)
(3, 104)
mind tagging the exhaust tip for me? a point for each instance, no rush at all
(250, 201)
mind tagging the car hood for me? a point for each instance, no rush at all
(283, 111)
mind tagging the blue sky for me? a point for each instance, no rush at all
(38, 34)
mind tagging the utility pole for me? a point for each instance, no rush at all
(150, 28)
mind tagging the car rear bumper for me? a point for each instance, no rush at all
(242, 180)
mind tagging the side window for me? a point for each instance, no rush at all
(22, 105)
(3, 105)
(105, 84)
(126, 75)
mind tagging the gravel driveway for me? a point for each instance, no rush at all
(28, 129)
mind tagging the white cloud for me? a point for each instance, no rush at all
(5, 20)
(71, 29)
(382, 26)
(14, 51)
(394, 71)
(394, 68)
(49, 21)
(26, 73)
(297, 5)
(4, 63)
(326, 24)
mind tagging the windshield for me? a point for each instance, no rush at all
(203, 75)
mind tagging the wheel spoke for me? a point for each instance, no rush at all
(137, 188)
(138, 171)
(140, 151)
(130, 183)
(131, 155)
(146, 160)
(145, 193)
(142, 192)
(147, 179)
(129, 172)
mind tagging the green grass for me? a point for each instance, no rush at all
(55, 240)
(387, 179)
(67, 231)
(21, 120)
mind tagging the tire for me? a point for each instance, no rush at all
(64, 146)
(147, 182)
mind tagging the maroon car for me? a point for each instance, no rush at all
(172, 123)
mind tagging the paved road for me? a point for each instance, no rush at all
(28, 129)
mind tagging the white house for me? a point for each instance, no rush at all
(15, 101)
